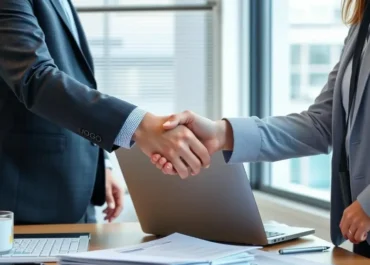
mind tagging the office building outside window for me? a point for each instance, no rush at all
(307, 39)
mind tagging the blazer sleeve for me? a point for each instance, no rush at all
(29, 71)
(283, 137)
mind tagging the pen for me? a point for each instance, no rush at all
(302, 250)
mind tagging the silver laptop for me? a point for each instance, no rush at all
(217, 205)
(39, 248)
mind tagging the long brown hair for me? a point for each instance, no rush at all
(352, 11)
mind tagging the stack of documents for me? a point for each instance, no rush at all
(174, 249)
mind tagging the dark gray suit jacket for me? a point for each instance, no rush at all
(54, 124)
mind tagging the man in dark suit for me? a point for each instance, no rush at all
(55, 124)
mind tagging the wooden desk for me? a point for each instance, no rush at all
(118, 235)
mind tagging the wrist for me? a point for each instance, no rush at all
(149, 123)
(225, 135)
(143, 126)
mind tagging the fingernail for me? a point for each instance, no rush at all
(167, 123)
(111, 205)
(168, 166)
(207, 166)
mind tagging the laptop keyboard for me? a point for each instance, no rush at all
(47, 247)
(273, 234)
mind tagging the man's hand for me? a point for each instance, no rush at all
(179, 146)
(355, 223)
(215, 135)
(113, 197)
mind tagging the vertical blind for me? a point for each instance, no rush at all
(162, 61)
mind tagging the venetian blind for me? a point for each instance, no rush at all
(162, 61)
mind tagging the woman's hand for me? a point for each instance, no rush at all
(355, 223)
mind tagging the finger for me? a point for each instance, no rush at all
(155, 158)
(200, 151)
(191, 160)
(352, 230)
(108, 214)
(180, 167)
(161, 163)
(118, 196)
(360, 235)
(175, 120)
(168, 169)
(344, 227)
(110, 199)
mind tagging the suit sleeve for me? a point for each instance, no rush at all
(30, 72)
(283, 137)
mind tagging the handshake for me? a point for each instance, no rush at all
(182, 144)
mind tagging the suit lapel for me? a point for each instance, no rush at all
(346, 57)
(362, 80)
(60, 11)
(339, 115)
(83, 42)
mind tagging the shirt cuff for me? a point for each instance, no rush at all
(247, 141)
(124, 137)
(364, 199)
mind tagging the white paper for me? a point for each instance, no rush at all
(173, 249)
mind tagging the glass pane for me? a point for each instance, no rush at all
(295, 54)
(154, 59)
(319, 54)
(307, 37)
(295, 84)
(318, 79)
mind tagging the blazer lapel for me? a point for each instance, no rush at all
(362, 80)
(83, 41)
(63, 17)
(338, 109)
(59, 9)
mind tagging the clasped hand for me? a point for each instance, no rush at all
(180, 144)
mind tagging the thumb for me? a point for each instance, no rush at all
(183, 118)
(109, 198)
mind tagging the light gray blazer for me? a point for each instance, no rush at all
(317, 130)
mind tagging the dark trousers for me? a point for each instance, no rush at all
(362, 249)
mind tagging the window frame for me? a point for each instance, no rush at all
(260, 89)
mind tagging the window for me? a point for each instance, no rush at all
(304, 48)
(318, 80)
(319, 54)
(295, 54)
(155, 59)
(295, 84)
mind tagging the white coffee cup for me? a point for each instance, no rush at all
(6, 231)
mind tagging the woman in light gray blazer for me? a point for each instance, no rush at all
(333, 122)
